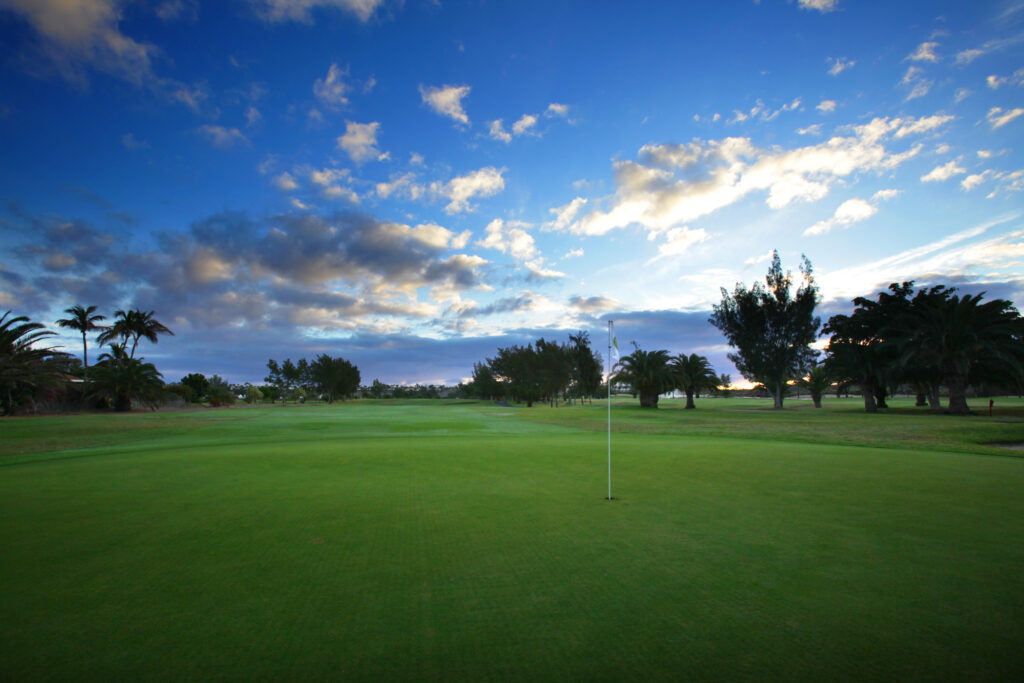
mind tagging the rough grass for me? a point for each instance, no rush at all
(428, 541)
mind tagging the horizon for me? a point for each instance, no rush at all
(412, 185)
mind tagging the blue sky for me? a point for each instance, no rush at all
(411, 185)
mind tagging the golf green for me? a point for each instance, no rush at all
(438, 540)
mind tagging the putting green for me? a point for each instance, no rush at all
(444, 541)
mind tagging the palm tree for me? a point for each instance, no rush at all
(133, 325)
(649, 374)
(817, 382)
(84, 321)
(121, 379)
(962, 334)
(693, 373)
(26, 370)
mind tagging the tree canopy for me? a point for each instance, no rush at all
(770, 327)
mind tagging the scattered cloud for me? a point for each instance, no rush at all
(944, 172)
(813, 129)
(524, 125)
(509, 238)
(671, 185)
(840, 64)
(252, 116)
(915, 81)
(961, 95)
(996, 82)
(77, 36)
(763, 258)
(973, 180)
(446, 101)
(820, 5)
(554, 109)
(128, 141)
(498, 132)
(484, 182)
(925, 52)
(997, 117)
(221, 137)
(332, 90)
(301, 10)
(826, 106)
(679, 240)
(849, 212)
(594, 304)
(285, 182)
(360, 141)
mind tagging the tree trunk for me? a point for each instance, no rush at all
(648, 399)
(922, 400)
(933, 397)
(778, 396)
(816, 397)
(85, 357)
(957, 385)
(867, 389)
(880, 393)
(689, 400)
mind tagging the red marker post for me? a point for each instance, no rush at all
(991, 402)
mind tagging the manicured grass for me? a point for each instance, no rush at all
(458, 541)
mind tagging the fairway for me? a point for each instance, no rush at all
(441, 540)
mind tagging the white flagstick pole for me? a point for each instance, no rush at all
(609, 410)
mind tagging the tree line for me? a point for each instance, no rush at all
(31, 371)
(923, 339)
(541, 371)
(333, 378)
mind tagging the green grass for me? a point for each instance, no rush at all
(460, 541)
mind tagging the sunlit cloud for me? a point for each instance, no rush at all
(446, 100)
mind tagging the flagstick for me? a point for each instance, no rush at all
(609, 410)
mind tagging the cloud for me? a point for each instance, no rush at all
(524, 125)
(221, 137)
(813, 129)
(820, 5)
(498, 132)
(403, 185)
(944, 172)
(679, 240)
(996, 82)
(914, 80)
(849, 212)
(885, 195)
(763, 258)
(86, 34)
(564, 215)
(509, 238)
(960, 95)
(840, 64)
(594, 304)
(973, 180)
(484, 182)
(332, 90)
(446, 101)
(925, 52)
(537, 271)
(285, 182)
(573, 253)
(329, 181)
(128, 141)
(360, 141)
(252, 116)
(554, 109)
(671, 185)
(826, 106)
(301, 10)
(998, 118)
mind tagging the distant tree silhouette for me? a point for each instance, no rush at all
(82, 320)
